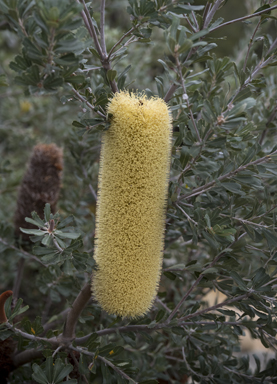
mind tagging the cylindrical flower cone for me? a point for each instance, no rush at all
(131, 206)
(40, 185)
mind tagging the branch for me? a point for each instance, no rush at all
(28, 255)
(18, 278)
(250, 45)
(206, 10)
(179, 67)
(132, 39)
(60, 318)
(208, 18)
(109, 331)
(197, 281)
(189, 23)
(94, 194)
(77, 307)
(116, 369)
(219, 305)
(56, 244)
(206, 187)
(122, 38)
(91, 29)
(187, 216)
(17, 331)
(195, 21)
(102, 27)
(211, 13)
(80, 97)
(76, 363)
(273, 46)
(145, 328)
(162, 304)
(170, 92)
(26, 356)
(244, 18)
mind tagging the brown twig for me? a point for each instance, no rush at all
(214, 307)
(94, 194)
(197, 281)
(18, 278)
(28, 255)
(179, 67)
(91, 29)
(206, 187)
(88, 22)
(250, 45)
(107, 362)
(80, 97)
(244, 18)
(170, 92)
(211, 13)
(102, 27)
(77, 307)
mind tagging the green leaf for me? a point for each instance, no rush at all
(233, 187)
(31, 221)
(238, 280)
(78, 125)
(266, 6)
(210, 270)
(270, 237)
(170, 275)
(38, 375)
(49, 369)
(36, 217)
(66, 221)
(47, 212)
(32, 51)
(67, 235)
(160, 315)
(61, 370)
(111, 74)
(227, 312)
(51, 82)
(3, 81)
(17, 309)
(70, 45)
(36, 232)
(179, 331)
(107, 377)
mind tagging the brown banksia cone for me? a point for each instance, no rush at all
(40, 185)
(8, 346)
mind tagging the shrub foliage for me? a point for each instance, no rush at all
(62, 67)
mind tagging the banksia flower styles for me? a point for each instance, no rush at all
(40, 184)
(130, 216)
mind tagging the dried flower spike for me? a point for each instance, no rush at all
(130, 218)
(40, 184)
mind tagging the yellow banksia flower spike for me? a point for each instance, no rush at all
(131, 205)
